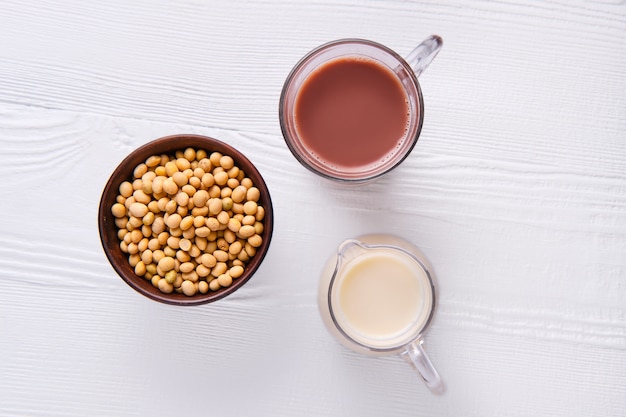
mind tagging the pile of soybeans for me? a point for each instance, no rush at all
(189, 222)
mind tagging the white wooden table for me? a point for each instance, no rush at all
(516, 192)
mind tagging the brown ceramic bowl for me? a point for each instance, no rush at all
(108, 230)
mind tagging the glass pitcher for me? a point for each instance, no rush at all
(377, 297)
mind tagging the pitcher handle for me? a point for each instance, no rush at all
(415, 355)
(421, 57)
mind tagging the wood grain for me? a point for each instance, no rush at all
(516, 192)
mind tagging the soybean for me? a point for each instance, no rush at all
(189, 222)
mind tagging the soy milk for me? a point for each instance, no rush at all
(382, 298)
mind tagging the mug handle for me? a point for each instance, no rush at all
(421, 57)
(415, 355)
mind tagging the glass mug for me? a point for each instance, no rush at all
(377, 297)
(352, 109)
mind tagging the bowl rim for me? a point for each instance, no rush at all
(123, 171)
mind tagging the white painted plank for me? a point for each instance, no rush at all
(487, 311)
(207, 64)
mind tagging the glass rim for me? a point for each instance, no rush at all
(333, 174)
(417, 335)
